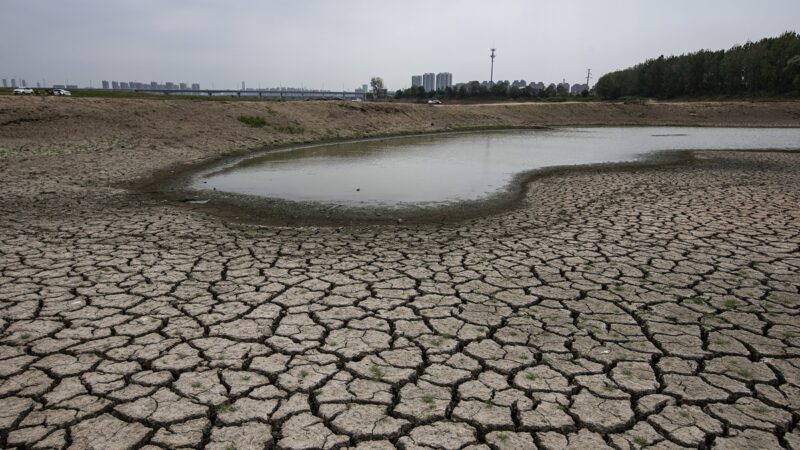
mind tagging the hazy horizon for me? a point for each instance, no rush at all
(332, 45)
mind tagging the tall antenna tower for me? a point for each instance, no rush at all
(491, 74)
(588, 76)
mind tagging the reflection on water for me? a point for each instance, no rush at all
(448, 168)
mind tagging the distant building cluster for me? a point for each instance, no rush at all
(577, 88)
(153, 85)
(13, 83)
(433, 82)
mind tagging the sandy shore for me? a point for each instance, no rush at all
(612, 309)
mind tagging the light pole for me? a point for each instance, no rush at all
(491, 73)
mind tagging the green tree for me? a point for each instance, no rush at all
(754, 69)
(607, 87)
(792, 71)
(377, 85)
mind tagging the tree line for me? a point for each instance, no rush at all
(478, 90)
(769, 67)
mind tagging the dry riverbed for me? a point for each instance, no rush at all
(614, 308)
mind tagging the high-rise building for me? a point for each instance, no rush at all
(170, 85)
(444, 80)
(195, 86)
(123, 85)
(416, 80)
(5, 82)
(38, 84)
(429, 82)
(13, 82)
(24, 83)
(183, 86)
(115, 85)
(243, 86)
(105, 84)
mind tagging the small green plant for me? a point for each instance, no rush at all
(253, 121)
(502, 437)
(376, 371)
(25, 336)
(178, 333)
(197, 385)
(428, 400)
(730, 303)
(289, 129)
(759, 410)
(744, 373)
(684, 413)
(246, 378)
(181, 355)
(303, 373)
(226, 408)
(610, 387)
(530, 376)
(640, 441)
(230, 447)
(627, 372)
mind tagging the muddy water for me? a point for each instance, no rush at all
(432, 170)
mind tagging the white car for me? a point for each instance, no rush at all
(61, 92)
(434, 101)
(23, 91)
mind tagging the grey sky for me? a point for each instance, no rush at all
(335, 43)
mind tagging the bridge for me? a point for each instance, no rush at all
(262, 93)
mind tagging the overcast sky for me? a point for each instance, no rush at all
(339, 43)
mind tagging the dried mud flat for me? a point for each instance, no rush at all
(625, 309)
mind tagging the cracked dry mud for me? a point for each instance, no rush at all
(624, 309)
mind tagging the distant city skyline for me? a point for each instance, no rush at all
(340, 45)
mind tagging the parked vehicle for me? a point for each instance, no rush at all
(61, 92)
(434, 101)
(23, 91)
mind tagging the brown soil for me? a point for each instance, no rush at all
(81, 148)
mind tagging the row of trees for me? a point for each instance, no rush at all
(476, 90)
(769, 67)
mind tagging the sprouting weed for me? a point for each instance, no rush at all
(226, 408)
